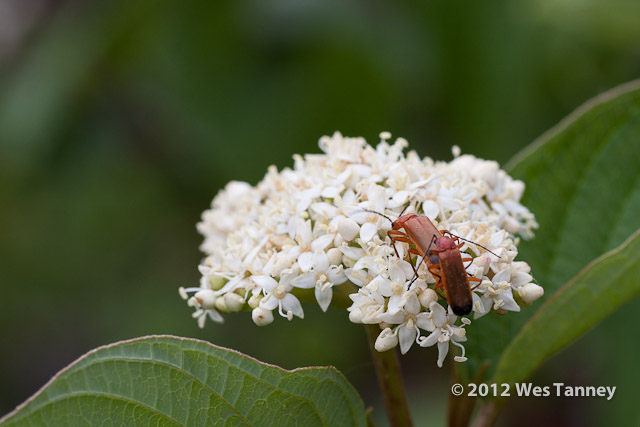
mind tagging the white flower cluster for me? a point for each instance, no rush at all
(315, 227)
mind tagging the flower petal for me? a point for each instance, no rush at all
(321, 243)
(443, 350)
(423, 321)
(305, 281)
(519, 278)
(413, 304)
(266, 282)
(324, 296)
(439, 314)
(508, 302)
(396, 302)
(431, 339)
(430, 209)
(348, 228)
(305, 261)
(215, 316)
(478, 307)
(406, 337)
(393, 318)
(269, 302)
(386, 340)
(336, 275)
(304, 233)
(291, 303)
(396, 273)
(320, 261)
(352, 252)
(367, 231)
(502, 276)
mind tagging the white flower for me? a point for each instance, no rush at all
(322, 222)
(322, 276)
(494, 294)
(301, 231)
(377, 201)
(372, 261)
(204, 301)
(409, 320)
(442, 328)
(395, 286)
(367, 306)
(277, 294)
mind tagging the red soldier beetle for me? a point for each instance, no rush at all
(442, 255)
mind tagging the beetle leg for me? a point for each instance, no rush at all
(401, 239)
(415, 270)
(412, 280)
(441, 296)
(396, 236)
(434, 269)
(475, 279)
(395, 249)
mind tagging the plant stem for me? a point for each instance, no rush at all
(389, 375)
(488, 414)
(461, 407)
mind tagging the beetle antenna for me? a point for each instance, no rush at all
(378, 213)
(433, 239)
(477, 244)
(411, 282)
(416, 276)
(390, 220)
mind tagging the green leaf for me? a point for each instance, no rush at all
(596, 292)
(583, 185)
(165, 380)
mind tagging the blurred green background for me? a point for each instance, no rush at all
(119, 121)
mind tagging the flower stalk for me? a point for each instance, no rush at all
(461, 407)
(488, 414)
(387, 366)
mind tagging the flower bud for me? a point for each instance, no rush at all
(427, 296)
(512, 225)
(206, 298)
(335, 256)
(386, 340)
(221, 305)
(254, 301)
(216, 282)
(530, 292)
(348, 228)
(355, 315)
(233, 301)
(261, 316)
